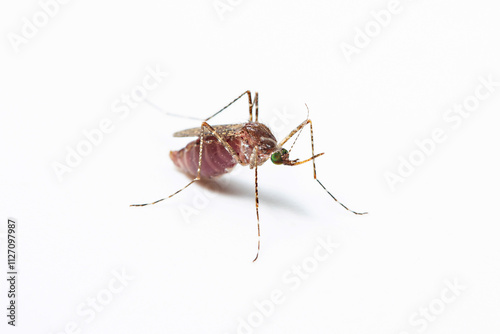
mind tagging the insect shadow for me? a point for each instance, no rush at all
(219, 148)
(234, 187)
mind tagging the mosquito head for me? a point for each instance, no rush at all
(279, 157)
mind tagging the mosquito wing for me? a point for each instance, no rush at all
(223, 130)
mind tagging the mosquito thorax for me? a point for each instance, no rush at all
(277, 157)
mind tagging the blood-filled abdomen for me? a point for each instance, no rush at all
(216, 160)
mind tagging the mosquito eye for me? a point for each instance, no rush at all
(276, 158)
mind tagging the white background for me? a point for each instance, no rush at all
(195, 274)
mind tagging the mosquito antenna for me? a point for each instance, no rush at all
(295, 140)
(300, 131)
(169, 113)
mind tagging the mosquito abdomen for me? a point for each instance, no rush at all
(216, 160)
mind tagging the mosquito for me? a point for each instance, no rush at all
(221, 147)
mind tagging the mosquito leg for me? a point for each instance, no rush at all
(290, 135)
(219, 138)
(256, 103)
(345, 207)
(321, 184)
(257, 211)
(198, 173)
(254, 164)
(297, 129)
(293, 132)
(250, 105)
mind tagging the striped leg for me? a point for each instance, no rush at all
(250, 105)
(228, 147)
(219, 138)
(253, 164)
(293, 163)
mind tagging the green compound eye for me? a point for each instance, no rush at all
(276, 157)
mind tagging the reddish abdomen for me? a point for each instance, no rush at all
(216, 160)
